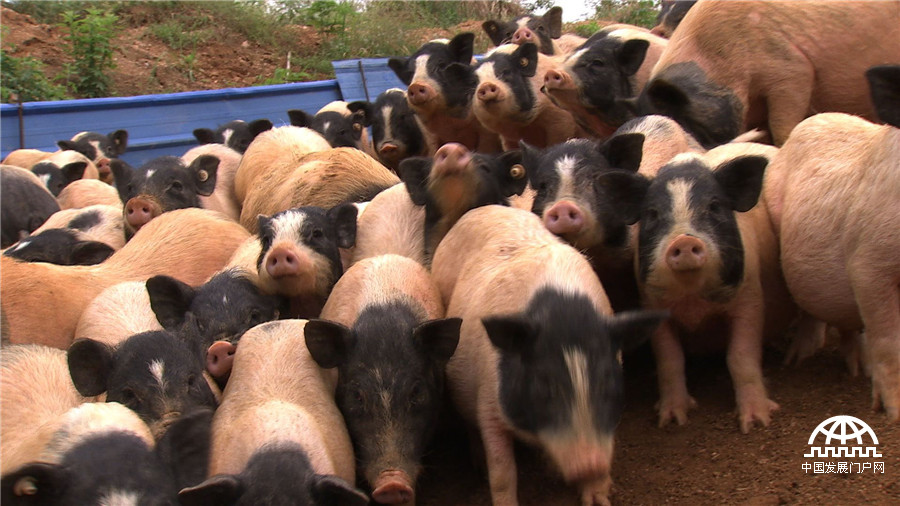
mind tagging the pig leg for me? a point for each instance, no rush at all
(809, 339)
(501, 460)
(596, 492)
(674, 400)
(853, 348)
(745, 360)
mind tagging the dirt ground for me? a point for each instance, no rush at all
(708, 460)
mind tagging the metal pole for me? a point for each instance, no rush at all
(15, 98)
(362, 74)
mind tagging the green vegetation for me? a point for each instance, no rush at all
(89, 36)
(24, 81)
(634, 12)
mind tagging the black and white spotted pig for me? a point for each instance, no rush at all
(98, 148)
(237, 134)
(25, 206)
(434, 92)
(154, 373)
(74, 237)
(545, 31)
(340, 125)
(214, 315)
(383, 327)
(671, 12)
(299, 256)
(708, 253)
(56, 177)
(162, 184)
(103, 454)
(396, 130)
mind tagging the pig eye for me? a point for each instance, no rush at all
(714, 207)
(317, 233)
(175, 186)
(191, 380)
(540, 28)
(598, 64)
(651, 215)
(128, 396)
(254, 318)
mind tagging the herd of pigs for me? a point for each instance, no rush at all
(276, 316)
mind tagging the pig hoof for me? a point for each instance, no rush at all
(887, 398)
(760, 411)
(675, 409)
(596, 493)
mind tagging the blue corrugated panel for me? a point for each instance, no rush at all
(158, 124)
(378, 78)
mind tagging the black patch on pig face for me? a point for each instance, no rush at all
(276, 475)
(393, 121)
(560, 346)
(155, 374)
(86, 143)
(236, 134)
(440, 55)
(546, 27)
(516, 70)
(713, 114)
(61, 247)
(884, 85)
(24, 206)
(167, 180)
(338, 129)
(713, 197)
(671, 13)
(56, 178)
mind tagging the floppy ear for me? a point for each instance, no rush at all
(90, 253)
(90, 364)
(630, 329)
(398, 65)
(516, 176)
(221, 490)
(328, 490)
(300, 118)
(35, 483)
(170, 300)
(884, 85)
(204, 136)
(328, 342)
(493, 30)
(742, 180)
(67, 145)
(119, 140)
(204, 169)
(344, 219)
(438, 337)
(526, 59)
(631, 55)
(462, 47)
(553, 18)
(73, 171)
(364, 109)
(414, 171)
(624, 151)
(626, 191)
(259, 126)
(121, 172)
(667, 97)
(185, 446)
(511, 334)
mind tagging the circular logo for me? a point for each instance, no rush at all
(843, 428)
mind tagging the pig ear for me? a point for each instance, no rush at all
(344, 219)
(259, 126)
(204, 136)
(221, 489)
(626, 191)
(67, 145)
(884, 85)
(526, 59)
(90, 364)
(170, 300)
(204, 169)
(462, 47)
(631, 55)
(327, 490)
(90, 253)
(516, 176)
(511, 334)
(624, 151)
(35, 483)
(328, 342)
(742, 180)
(553, 18)
(666, 97)
(119, 140)
(300, 118)
(414, 173)
(530, 156)
(461, 75)
(493, 30)
(74, 171)
(631, 329)
(185, 447)
(438, 337)
(363, 110)
(398, 65)
(121, 173)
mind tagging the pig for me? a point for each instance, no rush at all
(156, 374)
(397, 132)
(663, 139)
(383, 328)
(278, 436)
(237, 134)
(341, 126)
(98, 148)
(223, 198)
(671, 12)
(392, 224)
(56, 177)
(594, 80)
(434, 92)
(456, 180)
(117, 313)
(707, 252)
(168, 245)
(213, 316)
(538, 350)
(274, 150)
(102, 455)
(35, 392)
(508, 99)
(25, 158)
(831, 191)
(544, 31)
(25, 206)
(88, 192)
(160, 185)
(299, 257)
(324, 179)
(735, 66)
(74, 237)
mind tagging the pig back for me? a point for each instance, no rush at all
(277, 393)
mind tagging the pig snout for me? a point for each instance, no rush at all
(556, 80)
(420, 93)
(219, 358)
(104, 170)
(523, 35)
(139, 211)
(451, 158)
(564, 218)
(393, 487)
(282, 262)
(686, 253)
(488, 92)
